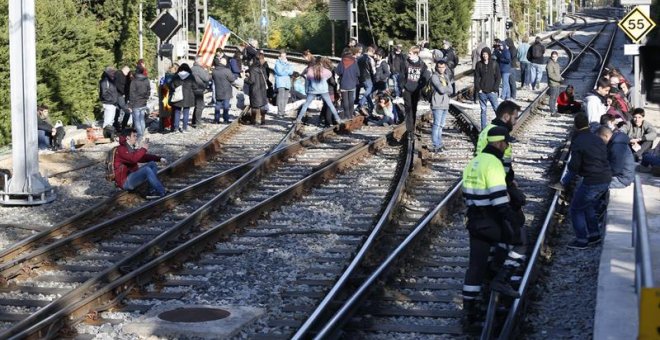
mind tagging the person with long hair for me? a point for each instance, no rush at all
(317, 77)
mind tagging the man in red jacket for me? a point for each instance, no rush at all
(128, 174)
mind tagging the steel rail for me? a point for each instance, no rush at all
(640, 241)
(154, 245)
(511, 321)
(194, 246)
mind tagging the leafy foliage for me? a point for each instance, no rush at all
(75, 40)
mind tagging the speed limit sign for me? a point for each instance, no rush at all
(636, 24)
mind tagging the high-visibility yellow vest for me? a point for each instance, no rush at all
(483, 141)
(484, 182)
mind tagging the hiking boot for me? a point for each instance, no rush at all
(502, 285)
(575, 244)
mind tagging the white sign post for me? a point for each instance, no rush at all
(636, 24)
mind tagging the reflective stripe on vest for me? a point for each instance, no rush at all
(483, 141)
(484, 182)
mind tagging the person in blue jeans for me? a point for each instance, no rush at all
(128, 174)
(487, 80)
(441, 82)
(588, 159)
(503, 55)
(318, 76)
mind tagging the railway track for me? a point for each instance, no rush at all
(416, 291)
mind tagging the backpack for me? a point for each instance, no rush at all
(110, 164)
(537, 51)
(427, 91)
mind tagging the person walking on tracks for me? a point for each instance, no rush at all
(554, 82)
(535, 56)
(126, 157)
(486, 83)
(490, 220)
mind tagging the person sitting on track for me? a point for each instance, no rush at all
(128, 175)
(490, 220)
(566, 101)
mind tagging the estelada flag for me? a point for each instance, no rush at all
(215, 36)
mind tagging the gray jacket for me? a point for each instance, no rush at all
(554, 73)
(442, 88)
(139, 91)
(202, 77)
(223, 79)
(646, 132)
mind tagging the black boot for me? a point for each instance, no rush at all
(471, 317)
(502, 284)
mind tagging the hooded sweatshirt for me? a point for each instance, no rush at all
(127, 159)
(348, 72)
(416, 74)
(486, 76)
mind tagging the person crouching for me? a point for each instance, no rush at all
(128, 174)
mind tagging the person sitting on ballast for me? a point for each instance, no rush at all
(128, 174)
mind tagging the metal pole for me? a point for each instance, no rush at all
(140, 33)
(332, 31)
(27, 186)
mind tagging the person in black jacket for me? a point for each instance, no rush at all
(382, 71)
(452, 61)
(589, 160)
(223, 79)
(123, 83)
(486, 83)
(416, 75)
(140, 91)
(397, 61)
(184, 79)
(258, 96)
(349, 74)
(367, 66)
(202, 77)
(535, 57)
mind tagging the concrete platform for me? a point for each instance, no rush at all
(617, 305)
(153, 325)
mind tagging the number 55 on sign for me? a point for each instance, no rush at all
(636, 25)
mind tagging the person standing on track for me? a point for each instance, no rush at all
(283, 71)
(525, 66)
(139, 93)
(554, 82)
(589, 160)
(397, 61)
(349, 75)
(318, 76)
(490, 220)
(367, 67)
(202, 77)
(515, 64)
(223, 79)
(183, 78)
(486, 83)
(415, 76)
(503, 57)
(441, 81)
(535, 56)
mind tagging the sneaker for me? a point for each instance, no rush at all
(594, 240)
(555, 114)
(578, 245)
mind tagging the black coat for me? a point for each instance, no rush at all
(139, 91)
(223, 78)
(188, 83)
(107, 90)
(487, 77)
(589, 158)
(258, 86)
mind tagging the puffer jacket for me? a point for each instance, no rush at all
(621, 158)
(127, 159)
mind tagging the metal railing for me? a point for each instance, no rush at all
(640, 241)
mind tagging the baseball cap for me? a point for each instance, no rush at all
(498, 133)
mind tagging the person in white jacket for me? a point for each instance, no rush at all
(595, 102)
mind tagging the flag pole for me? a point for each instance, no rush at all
(241, 39)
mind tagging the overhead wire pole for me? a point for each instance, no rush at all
(422, 20)
(26, 186)
(352, 7)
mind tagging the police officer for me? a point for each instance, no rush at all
(491, 220)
